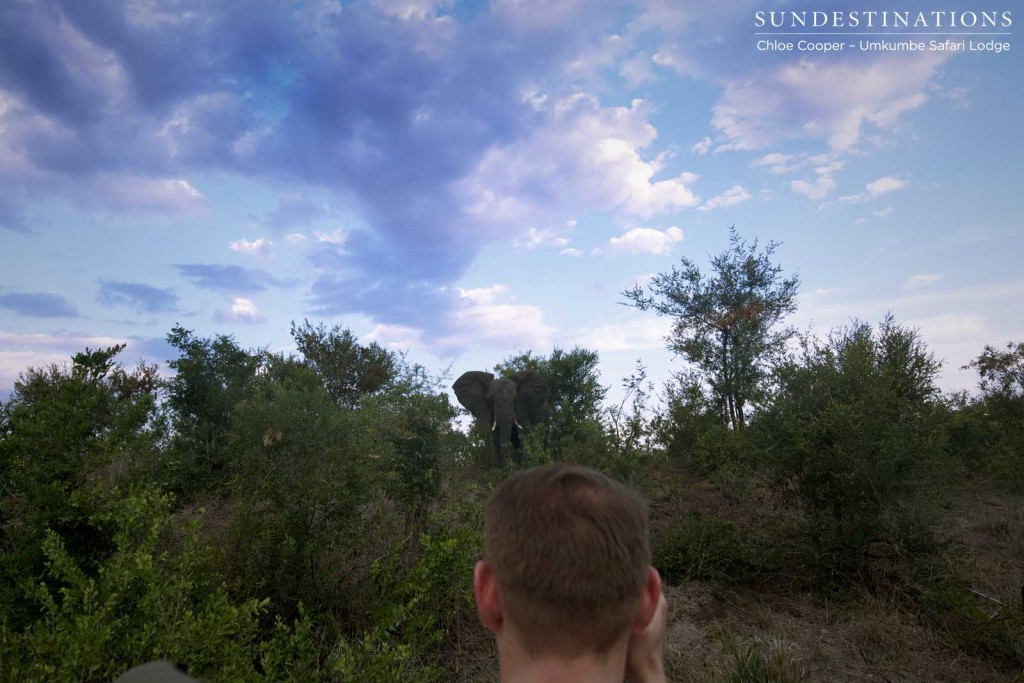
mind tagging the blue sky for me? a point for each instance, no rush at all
(465, 180)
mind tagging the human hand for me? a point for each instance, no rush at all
(645, 657)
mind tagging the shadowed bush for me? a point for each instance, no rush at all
(856, 441)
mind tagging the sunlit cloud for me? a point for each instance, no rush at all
(242, 311)
(646, 241)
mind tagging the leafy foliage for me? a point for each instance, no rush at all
(142, 603)
(856, 440)
(989, 431)
(64, 426)
(1002, 372)
(304, 569)
(726, 324)
(298, 481)
(703, 547)
(576, 392)
(424, 607)
(211, 376)
(348, 370)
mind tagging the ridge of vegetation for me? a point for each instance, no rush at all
(819, 512)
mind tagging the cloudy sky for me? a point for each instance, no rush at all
(465, 180)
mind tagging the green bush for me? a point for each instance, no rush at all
(703, 547)
(211, 377)
(856, 440)
(67, 429)
(302, 466)
(989, 431)
(142, 603)
(424, 608)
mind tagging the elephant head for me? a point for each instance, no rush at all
(507, 406)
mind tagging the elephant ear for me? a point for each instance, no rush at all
(531, 396)
(471, 390)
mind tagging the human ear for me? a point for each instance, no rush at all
(488, 600)
(649, 600)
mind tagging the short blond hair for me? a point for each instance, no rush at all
(570, 550)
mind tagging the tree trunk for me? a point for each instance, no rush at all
(727, 380)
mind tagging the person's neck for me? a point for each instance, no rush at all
(608, 668)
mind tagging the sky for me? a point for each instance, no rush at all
(463, 181)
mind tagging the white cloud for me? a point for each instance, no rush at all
(596, 57)
(823, 184)
(734, 195)
(396, 336)
(877, 188)
(885, 186)
(642, 334)
(296, 238)
(702, 147)
(336, 237)
(261, 247)
(490, 317)
(959, 96)
(137, 194)
(643, 280)
(921, 280)
(408, 10)
(801, 100)
(646, 241)
(535, 238)
(779, 163)
(637, 69)
(884, 212)
(571, 252)
(580, 157)
(816, 189)
(673, 57)
(242, 311)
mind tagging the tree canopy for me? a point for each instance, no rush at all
(726, 321)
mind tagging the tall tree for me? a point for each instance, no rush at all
(59, 433)
(574, 383)
(211, 376)
(1002, 372)
(347, 369)
(727, 323)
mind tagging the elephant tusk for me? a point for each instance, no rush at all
(516, 423)
(494, 425)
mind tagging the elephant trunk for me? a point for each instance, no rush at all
(501, 434)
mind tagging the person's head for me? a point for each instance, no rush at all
(569, 552)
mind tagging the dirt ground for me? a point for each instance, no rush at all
(870, 638)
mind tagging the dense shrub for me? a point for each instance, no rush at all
(211, 376)
(301, 470)
(67, 428)
(703, 547)
(141, 603)
(692, 429)
(424, 607)
(855, 440)
(989, 430)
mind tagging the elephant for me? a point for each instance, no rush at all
(508, 405)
